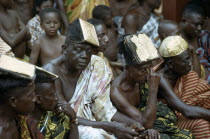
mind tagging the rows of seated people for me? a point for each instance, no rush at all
(103, 69)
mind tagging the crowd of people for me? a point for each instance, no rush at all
(103, 69)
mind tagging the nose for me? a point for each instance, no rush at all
(106, 39)
(52, 25)
(199, 27)
(190, 63)
(34, 98)
(84, 54)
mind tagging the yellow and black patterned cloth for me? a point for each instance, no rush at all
(54, 126)
(165, 122)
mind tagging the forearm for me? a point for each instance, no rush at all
(94, 124)
(74, 133)
(121, 118)
(149, 115)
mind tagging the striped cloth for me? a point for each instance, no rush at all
(196, 92)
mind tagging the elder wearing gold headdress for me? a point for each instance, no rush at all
(138, 100)
(84, 83)
(17, 96)
(183, 90)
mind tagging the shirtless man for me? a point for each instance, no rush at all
(103, 13)
(171, 28)
(137, 17)
(24, 9)
(17, 91)
(46, 107)
(84, 83)
(120, 7)
(49, 46)
(12, 29)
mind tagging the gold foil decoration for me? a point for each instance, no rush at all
(143, 47)
(89, 33)
(172, 46)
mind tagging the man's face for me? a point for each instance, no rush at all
(47, 97)
(46, 4)
(192, 24)
(108, 20)
(101, 32)
(79, 55)
(140, 72)
(51, 23)
(182, 64)
(24, 102)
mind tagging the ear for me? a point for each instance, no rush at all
(170, 64)
(12, 101)
(38, 99)
(165, 35)
(64, 47)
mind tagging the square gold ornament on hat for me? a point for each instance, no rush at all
(142, 48)
(89, 33)
(21, 70)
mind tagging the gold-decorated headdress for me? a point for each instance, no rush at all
(173, 46)
(89, 33)
(142, 48)
(21, 70)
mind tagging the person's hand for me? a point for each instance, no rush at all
(153, 78)
(122, 131)
(138, 127)
(64, 107)
(153, 134)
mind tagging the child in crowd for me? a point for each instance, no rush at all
(34, 25)
(49, 46)
(13, 31)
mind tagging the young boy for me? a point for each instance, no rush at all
(12, 29)
(49, 46)
(17, 97)
(34, 25)
(58, 126)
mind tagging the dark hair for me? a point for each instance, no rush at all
(7, 83)
(95, 22)
(49, 10)
(141, 2)
(38, 3)
(192, 7)
(129, 56)
(100, 11)
(74, 33)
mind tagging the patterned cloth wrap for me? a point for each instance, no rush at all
(82, 8)
(54, 126)
(165, 122)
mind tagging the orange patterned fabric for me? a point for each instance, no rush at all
(196, 92)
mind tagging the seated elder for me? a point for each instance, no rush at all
(61, 125)
(191, 95)
(130, 95)
(85, 84)
(18, 97)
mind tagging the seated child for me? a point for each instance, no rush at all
(13, 31)
(17, 97)
(49, 46)
(34, 25)
(57, 126)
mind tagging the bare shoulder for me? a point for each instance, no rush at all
(63, 38)
(38, 43)
(52, 66)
